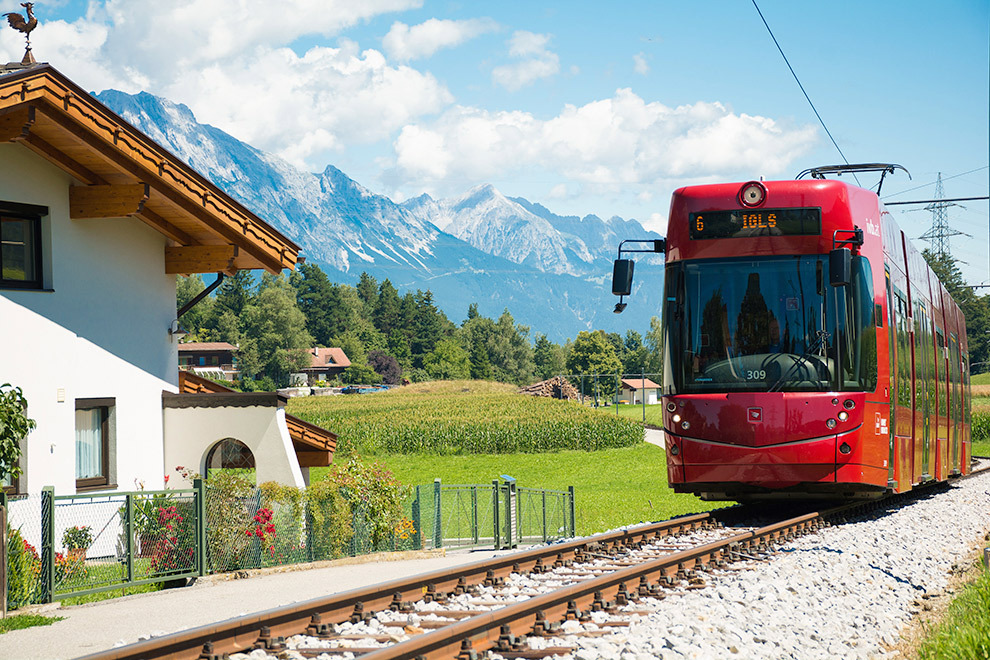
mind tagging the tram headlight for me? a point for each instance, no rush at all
(685, 425)
(671, 406)
(753, 193)
(848, 404)
(676, 418)
(843, 415)
(830, 423)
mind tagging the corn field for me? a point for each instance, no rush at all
(464, 417)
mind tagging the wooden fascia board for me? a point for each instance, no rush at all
(199, 259)
(125, 147)
(119, 200)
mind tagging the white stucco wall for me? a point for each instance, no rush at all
(191, 432)
(99, 330)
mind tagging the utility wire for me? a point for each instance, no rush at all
(930, 183)
(798, 81)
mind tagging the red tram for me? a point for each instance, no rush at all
(809, 351)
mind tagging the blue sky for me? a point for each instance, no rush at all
(586, 107)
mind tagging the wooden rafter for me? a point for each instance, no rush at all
(200, 259)
(107, 201)
(16, 125)
(313, 458)
(156, 221)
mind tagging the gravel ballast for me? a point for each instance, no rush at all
(844, 592)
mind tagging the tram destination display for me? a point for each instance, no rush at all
(747, 223)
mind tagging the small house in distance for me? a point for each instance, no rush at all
(214, 359)
(325, 364)
(635, 389)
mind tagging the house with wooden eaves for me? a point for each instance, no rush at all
(97, 221)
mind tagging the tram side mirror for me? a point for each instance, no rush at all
(839, 267)
(622, 277)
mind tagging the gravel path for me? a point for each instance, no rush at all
(845, 592)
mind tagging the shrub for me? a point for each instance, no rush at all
(329, 520)
(23, 571)
(229, 508)
(78, 537)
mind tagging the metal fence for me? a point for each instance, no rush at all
(500, 515)
(73, 545)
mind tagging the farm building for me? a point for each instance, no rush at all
(635, 389)
(97, 221)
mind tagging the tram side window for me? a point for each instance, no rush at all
(920, 394)
(943, 377)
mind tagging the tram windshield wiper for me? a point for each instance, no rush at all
(820, 340)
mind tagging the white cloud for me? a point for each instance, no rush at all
(537, 62)
(406, 43)
(233, 68)
(640, 64)
(605, 145)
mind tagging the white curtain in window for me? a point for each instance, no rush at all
(89, 443)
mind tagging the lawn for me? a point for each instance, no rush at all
(613, 487)
(637, 413)
(965, 632)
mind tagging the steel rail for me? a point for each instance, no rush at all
(501, 626)
(245, 632)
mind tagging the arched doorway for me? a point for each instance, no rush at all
(230, 454)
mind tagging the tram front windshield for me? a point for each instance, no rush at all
(768, 324)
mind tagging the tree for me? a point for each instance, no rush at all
(592, 353)
(976, 309)
(472, 312)
(548, 358)
(199, 319)
(234, 292)
(359, 372)
(634, 356)
(654, 347)
(14, 426)
(275, 341)
(447, 361)
(510, 351)
(319, 301)
(367, 289)
(388, 309)
(481, 366)
(428, 325)
(385, 366)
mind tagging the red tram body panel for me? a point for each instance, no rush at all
(783, 380)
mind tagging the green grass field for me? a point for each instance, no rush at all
(965, 632)
(613, 487)
(637, 413)
(980, 379)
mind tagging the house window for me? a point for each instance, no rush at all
(20, 246)
(10, 484)
(229, 454)
(94, 443)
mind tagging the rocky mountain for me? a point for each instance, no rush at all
(552, 272)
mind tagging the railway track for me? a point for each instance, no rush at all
(514, 606)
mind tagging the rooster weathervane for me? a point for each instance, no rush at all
(19, 23)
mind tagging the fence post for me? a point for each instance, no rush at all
(129, 534)
(3, 554)
(474, 514)
(308, 520)
(417, 519)
(47, 544)
(642, 383)
(201, 554)
(495, 515)
(544, 515)
(570, 494)
(437, 522)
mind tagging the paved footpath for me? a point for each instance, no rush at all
(102, 625)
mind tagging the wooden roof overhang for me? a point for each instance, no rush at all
(314, 445)
(123, 173)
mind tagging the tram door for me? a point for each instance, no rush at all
(922, 376)
(892, 356)
(955, 409)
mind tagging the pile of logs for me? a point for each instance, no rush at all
(557, 387)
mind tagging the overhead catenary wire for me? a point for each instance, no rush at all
(798, 81)
(932, 183)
